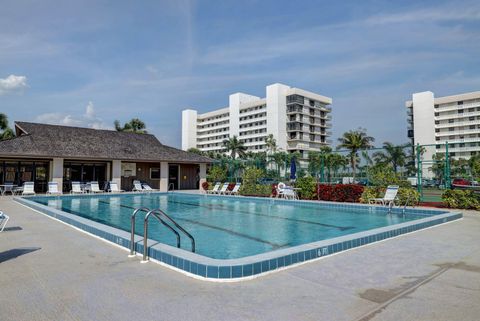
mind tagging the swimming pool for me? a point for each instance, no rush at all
(230, 231)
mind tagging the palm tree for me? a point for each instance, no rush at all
(5, 131)
(279, 159)
(271, 143)
(196, 151)
(354, 140)
(135, 125)
(394, 155)
(234, 146)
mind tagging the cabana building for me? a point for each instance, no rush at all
(43, 153)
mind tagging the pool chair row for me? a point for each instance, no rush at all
(26, 189)
(142, 187)
(83, 188)
(224, 189)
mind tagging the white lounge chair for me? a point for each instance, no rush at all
(215, 188)
(137, 186)
(113, 188)
(94, 188)
(388, 199)
(286, 192)
(223, 190)
(147, 188)
(53, 188)
(3, 220)
(28, 188)
(235, 190)
(77, 188)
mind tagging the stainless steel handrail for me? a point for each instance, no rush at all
(132, 228)
(171, 184)
(158, 213)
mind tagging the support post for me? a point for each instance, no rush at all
(203, 175)
(447, 167)
(419, 171)
(117, 173)
(163, 177)
(57, 172)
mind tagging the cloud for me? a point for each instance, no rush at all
(88, 119)
(12, 84)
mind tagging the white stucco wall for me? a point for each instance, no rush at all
(277, 113)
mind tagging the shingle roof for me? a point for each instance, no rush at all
(40, 140)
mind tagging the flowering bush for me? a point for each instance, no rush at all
(340, 192)
(205, 186)
(230, 186)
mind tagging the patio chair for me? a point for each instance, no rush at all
(137, 186)
(388, 199)
(113, 188)
(215, 188)
(53, 188)
(77, 188)
(147, 188)
(28, 188)
(3, 220)
(235, 190)
(223, 190)
(285, 191)
(94, 188)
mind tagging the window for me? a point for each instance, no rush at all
(460, 111)
(154, 173)
(451, 121)
(460, 103)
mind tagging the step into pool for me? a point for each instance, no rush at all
(236, 237)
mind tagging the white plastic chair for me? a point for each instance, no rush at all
(3, 220)
(53, 188)
(77, 188)
(113, 187)
(137, 186)
(28, 188)
(94, 188)
(215, 188)
(224, 188)
(388, 199)
(235, 190)
(285, 191)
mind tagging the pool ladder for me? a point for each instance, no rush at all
(165, 220)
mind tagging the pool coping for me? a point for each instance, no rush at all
(210, 269)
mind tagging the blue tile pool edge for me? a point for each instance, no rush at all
(210, 269)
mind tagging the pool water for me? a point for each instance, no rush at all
(228, 227)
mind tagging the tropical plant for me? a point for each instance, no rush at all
(250, 185)
(340, 192)
(355, 140)
(5, 131)
(382, 176)
(307, 187)
(271, 143)
(196, 151)
(474, 164)
(279, 159)
(438, 166)
(393, 155)
(235, 147)
(464, 199)
(217, 174)
(406, 195)
(135, 125)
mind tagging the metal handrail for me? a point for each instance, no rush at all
(173, 187)
(132, 228)
(158, 213)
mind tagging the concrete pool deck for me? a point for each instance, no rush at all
(50, 271)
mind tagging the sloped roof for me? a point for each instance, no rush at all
(40, 140)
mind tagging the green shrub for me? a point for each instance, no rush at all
(463, 199)
(405, 195)
(217, 174)
(307, 187)
(383, 176)
(251, 175)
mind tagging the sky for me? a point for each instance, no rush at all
(87, 63)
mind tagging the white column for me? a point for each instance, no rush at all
(277, 113)
(203, 175)
(117, 172)
(57, 172)
(163, 177)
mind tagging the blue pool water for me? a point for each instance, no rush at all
(228, 227)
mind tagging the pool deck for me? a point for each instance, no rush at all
(50, 271)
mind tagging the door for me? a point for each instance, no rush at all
(173, 176)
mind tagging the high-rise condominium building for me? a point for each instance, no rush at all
(453, 119)
(298, 120)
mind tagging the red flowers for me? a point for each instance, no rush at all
(340, 193)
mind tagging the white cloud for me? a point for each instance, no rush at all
(87, 119)
(12, 83)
